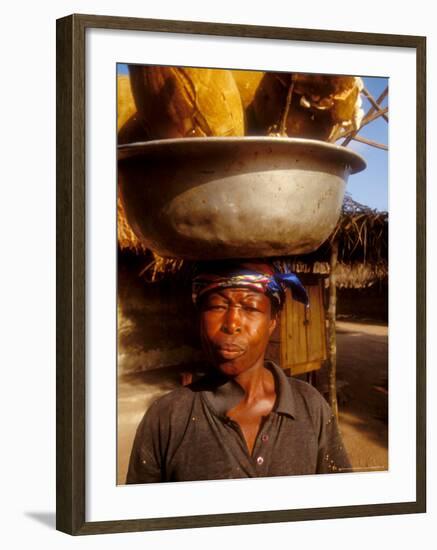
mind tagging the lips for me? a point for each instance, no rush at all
(229, 351)
(229, 347)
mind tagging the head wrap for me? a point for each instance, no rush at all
(271, 279)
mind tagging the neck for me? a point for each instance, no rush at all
(256, 381)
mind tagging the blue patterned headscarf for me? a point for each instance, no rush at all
(271, 279)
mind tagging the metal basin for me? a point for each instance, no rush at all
(216, 198)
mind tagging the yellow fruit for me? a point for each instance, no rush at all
(132, 130)
(247, 84)
(125, 101)
(319, 104)
(183, 102)
(339, 94)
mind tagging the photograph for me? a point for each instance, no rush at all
(218, 284)
(233, 257)
(252, 273)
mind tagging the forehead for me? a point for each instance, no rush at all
(237, 293)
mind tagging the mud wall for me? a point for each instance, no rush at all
(364, 303)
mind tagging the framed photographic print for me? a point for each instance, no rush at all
(240, 274)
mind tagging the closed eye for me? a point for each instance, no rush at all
(251, 308)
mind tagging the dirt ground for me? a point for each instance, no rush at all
(362, 370)
(362, 376)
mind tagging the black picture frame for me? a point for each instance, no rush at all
(71, 275)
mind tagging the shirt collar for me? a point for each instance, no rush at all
(285, 402)
(224, 393)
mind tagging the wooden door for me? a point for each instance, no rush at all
(303, 330)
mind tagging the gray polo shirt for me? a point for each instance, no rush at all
(186, 435)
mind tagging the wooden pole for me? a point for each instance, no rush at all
(378, 102)
(332, 340)
(374, 103)
(283, 125)
(371, 142)
(366, 120)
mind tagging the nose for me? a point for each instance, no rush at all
(232, 321)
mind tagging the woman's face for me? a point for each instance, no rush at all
(235, 327)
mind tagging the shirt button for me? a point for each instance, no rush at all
(265, 438)
(259, 460)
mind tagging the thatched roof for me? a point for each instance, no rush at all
(348, 275)
(127, 240)
(362, 237)
(362, 233)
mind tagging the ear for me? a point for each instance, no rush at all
(272, 326)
